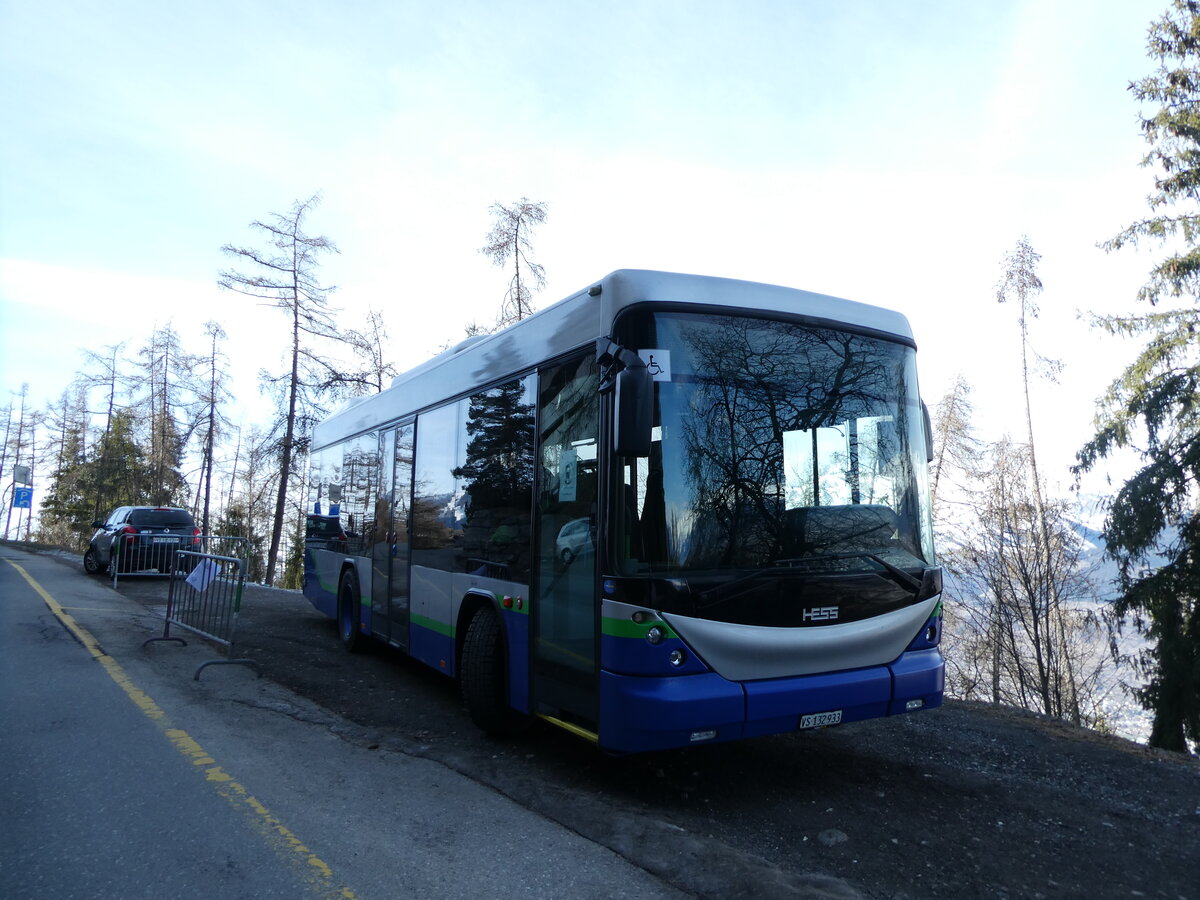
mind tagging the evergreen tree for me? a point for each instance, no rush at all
(239, 519)
(119, 467)
(1154, 407)
(108, 378)
(160, 389)
(68, 506)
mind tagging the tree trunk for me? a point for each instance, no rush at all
(285, 454)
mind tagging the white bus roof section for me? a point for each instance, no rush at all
(576, 322)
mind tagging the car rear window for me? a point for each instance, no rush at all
(161, 518)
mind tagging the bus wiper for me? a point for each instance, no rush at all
(721, 592)
(782, 567)
(904, 579)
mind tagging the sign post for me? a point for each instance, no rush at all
(22, 497)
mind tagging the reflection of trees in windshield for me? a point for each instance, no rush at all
(773, 420)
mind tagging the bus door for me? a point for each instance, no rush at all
(389, 554)
(563, 609)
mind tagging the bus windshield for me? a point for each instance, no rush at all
(781, 445)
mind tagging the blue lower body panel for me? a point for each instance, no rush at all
(434, 649)
(322, 599)
(647, 713)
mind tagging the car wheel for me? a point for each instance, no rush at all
(348, 612)
(484, 676)
(91, 563)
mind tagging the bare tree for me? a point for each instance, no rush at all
(210, 421)
(4, 450)
(1020, 281)
(509, 241)
(284, 276)
(1021, 633)
(957, 450)
(13, 453)
(19, 449)
(370, 346)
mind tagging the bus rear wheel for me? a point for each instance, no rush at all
(484, 676)
(348, 612)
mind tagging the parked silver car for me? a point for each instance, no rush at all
(573, 540)
(138, 538)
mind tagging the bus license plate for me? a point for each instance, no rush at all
(817, 720)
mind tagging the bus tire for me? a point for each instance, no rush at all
(349, 606)
(484, 678)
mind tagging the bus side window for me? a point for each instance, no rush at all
(497, 479)
(437, 511)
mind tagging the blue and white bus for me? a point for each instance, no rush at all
(667, 510)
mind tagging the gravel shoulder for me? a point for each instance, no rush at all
(964, 801)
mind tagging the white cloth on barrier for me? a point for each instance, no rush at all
(202, 576)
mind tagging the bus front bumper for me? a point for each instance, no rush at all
(639, 713)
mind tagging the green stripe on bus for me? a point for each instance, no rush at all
(627, 628)
(433, 625)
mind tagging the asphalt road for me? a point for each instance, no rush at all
(126, 778)
(964, 801)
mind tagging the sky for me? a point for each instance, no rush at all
(888, 151)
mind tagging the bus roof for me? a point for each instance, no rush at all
(578, 321)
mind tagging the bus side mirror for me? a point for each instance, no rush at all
(633, 421)
(929, 454)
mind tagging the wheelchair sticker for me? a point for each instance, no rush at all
(658, 362)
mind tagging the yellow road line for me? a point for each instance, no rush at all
(90, 609)
(315, 872)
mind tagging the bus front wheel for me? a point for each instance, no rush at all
(484, 675)
(348, 609)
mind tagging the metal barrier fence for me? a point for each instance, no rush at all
(139, 555)
(204, 596)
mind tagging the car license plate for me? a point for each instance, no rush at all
(166, 540)
(817, 720)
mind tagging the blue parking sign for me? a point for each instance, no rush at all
(22, 498)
